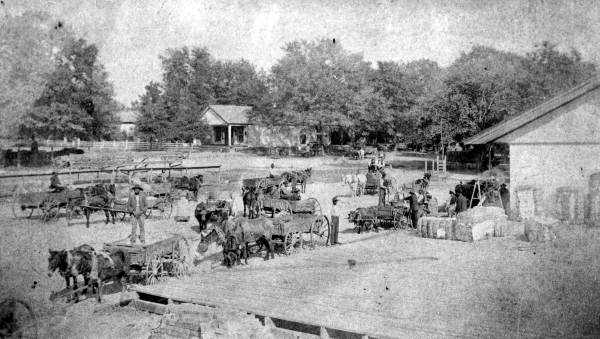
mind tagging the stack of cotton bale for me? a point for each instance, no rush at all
(436, 228)
(480, 222)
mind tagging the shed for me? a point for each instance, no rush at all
(554, 155)
(228, 122)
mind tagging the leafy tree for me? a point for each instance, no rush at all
(28, 44)
(77, 100)
(192, 80)
(318, 83)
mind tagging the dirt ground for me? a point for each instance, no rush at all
(548, 289)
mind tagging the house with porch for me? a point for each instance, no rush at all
(229, 124)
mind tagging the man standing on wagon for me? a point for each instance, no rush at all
(136, 205)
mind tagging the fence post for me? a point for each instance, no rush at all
(78, 142)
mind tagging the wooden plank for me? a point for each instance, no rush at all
(149, 306)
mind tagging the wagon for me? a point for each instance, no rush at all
(394, 216)
(47, 204)
(372, 184)
(160, 200)
(168, 257)
(266, 183)
(298, 231)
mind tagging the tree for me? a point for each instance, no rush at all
(79, 93)
(404, 86)
(552, 71)
(28, 44)
(192, 79)
(318, 83)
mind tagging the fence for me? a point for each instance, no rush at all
(119, 145)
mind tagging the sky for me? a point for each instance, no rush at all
(131, 34)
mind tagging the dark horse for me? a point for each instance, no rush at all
(94, 267)
(298, 177)
(99, 197)
(71, 263)
(191, 184)
(235, 235)
(111, 266)
(216, 211)
(251, 203)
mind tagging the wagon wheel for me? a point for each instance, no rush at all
(316, 205)
(18, 320)
(292, 242)
(397, 221)
(21, 211)
(50, 209)
(319, 231)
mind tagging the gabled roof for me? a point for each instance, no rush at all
(127, 116)
(231, 114)
(494, 133)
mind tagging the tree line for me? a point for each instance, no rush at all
(319, 83)
(53, 85)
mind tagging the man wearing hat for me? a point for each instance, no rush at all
(462, 204)
(55, 184)
(136, 205)
(335, 221)
(414, 207)
(383, 189)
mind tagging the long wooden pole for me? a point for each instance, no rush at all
(109, 170)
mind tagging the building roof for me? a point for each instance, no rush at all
(232, 114)
(126, 116)
(496, 132)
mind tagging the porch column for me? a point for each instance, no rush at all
(229, 135)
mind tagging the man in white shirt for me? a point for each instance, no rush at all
(335, 222)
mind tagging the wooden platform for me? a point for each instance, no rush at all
(387, 291)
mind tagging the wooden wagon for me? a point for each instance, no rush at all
(393, 215)
(372, 184)
(168, 257)
(298, 231)
(46, 204)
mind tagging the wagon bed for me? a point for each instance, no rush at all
(151, 261)
(298, 231)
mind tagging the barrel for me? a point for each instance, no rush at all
(593, 214)
(594, 183)
(570, 205)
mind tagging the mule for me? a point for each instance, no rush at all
(110, 266)
(71, 264)
(250, 231)
(100, 197)
(298, 177)
(191, 184)
(250, 200)
(206, 212)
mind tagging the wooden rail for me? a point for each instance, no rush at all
(110, 170)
